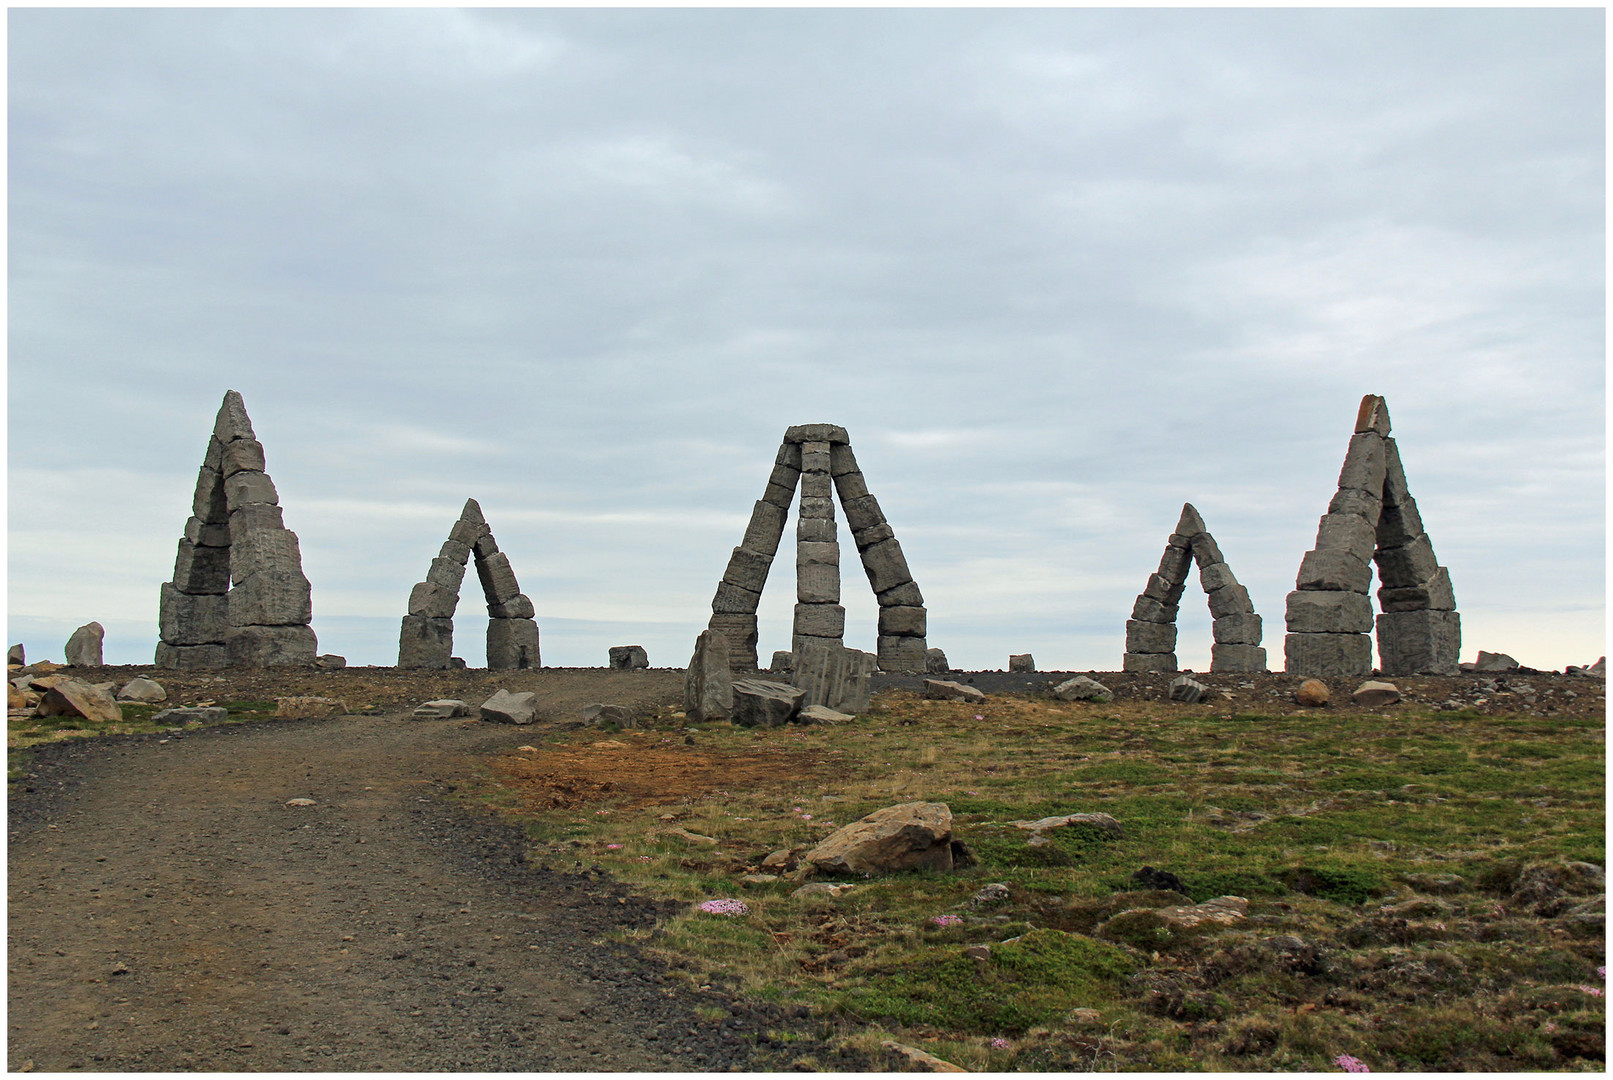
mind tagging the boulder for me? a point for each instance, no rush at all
(822, 714)
(442, 709)
(1312, 693)
(600, 713)
(16, 655)
(908, 836)
(15, 698)
(507, 708)
(83, 649)
(69, 697)
(143, 690)
(199, 714)
(330, 662)
(935, 662)
(1371, 695)
(1082, 688)
(708, 686)
(628, 658)
(1489, 661)
(946, 690)
(307, 707)
(764, 703)
(1021, 662)
(1188, 690)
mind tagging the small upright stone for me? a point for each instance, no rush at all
(1021, 662)
(83, 649)
(16, 655)
(783, 662)
(708, 686)
(628, 658)
(935, 662)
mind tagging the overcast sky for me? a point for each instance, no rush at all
(1056, 271)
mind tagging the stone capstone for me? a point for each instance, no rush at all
(908, 836)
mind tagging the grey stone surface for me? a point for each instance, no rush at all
(507, 708)
(1206, 552)
(485, 546)
(242, 455)
(781, 494)
(214, 458)
(1237, 659)
(822, 714)
(789, 455)
(935, 662)
(740, 630)
(912, 621)
(732, 600)
(207, 534)
(1150, 637)
(209, 503)
(798, 642)
(442, 709)
(1147, 609)
(1174, 562)
(628, 657)
(199, 714)
(817, 583)
(600, 714)
(455, 552)
(512, 644)
(763, 703)
(1327, 655)
(1190, 524)
(815, 458)
(1334, 570)
(330, 662)
(814, 506)
(1021, 662)
(249, 487)
(816, 485)
(16, 655)
(432, 601)
(83, 648)
(425, 643)
(1419, 642)
(783, 662)
(834, 676)
(947, 690)
(1164, 590)
(271, 598)
(465, 533)
(823, 554)
(1375, 694)
(498, 580)
(183, 619)
(1399, 525)
(1373, 415)
(804, 433)
(1232, 600)
(867, 538)
(841, 459)
(1081, 688)
(1314, 611)
(816, 530)
(1364, 463)
(142, 690)
(1241, 629)
(472, 512)
(1148, 662)
(518, 607)
(270, 646)
(1347, 532)
(766, 528)
(1217, 575)
(708, 683)
(904, 595)
(200, 570)
(1489, 661)
(190, 657)
(264, 551)
(851, 485)
(820, 620)
(1364, 504)
(885, 565)
(863, 513)
(899, 652)
(232, 423)
(446, 572)
(1408, 566)
(1394, 474)
(1187, 690)
(253, 517)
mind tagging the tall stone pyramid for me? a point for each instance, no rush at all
(426, 638)
(238, 597)
(1372, 519)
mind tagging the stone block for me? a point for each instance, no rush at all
(214, 458)
(1347, 532)
(207, 534)
(834, 677)
(1217, 575)
(815, 531)
(265, 551)
(885, 565)
(1404, 567)
(519, 607)
(1142, 662)
(472, 512)
(740, 631)
(935, 662)
(732, 600)
(191, 657)
(822, 554)
(232, 423)
(805, 433)
(253, 517)
(816, 485)
(815, 459)
(904, 595)
(817, 583)
(512, 644)
(1327, 656)
(898, 652)
(270, 646)
(1237, 659)
(1150, 637)
(1206, 552)
(83, 648)
(628, 658)
(1082, 688)
(867, 538)
(1241, 629)
(1394, 475)
(1147, 609)
(1434, 594)
(779, 495)
(799, 642)
(817, 507)
(1364, 463)
(1312, 611)
(498, 580)
(271, 598)
(1331, 569)
(507, 708)
(455, 552)
(1232, 600)
(850, 486)
(242, 455)
(1187, 690)
(1190, 524)
(783, 662)
(209, 502)
(199, 570)
(1419, 642)
(1174, 563)
(485, 546)
(1363, 504)
(431, 601)
(747, 569)
(1163, 590)
(1399, 525)
(465, 533)
(911, 621)
(249, 487)
(947, 690)
(1489, 661)
(864, 513)
(1021, 662)
(841, 459)
(330, 662)
(1373, 415)
(191, 620)
(446, 573)
(708, 683)
(789, 455)
(820, 620)
(766, 528)
(1375, 695)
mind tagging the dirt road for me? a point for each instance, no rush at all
(170, 911)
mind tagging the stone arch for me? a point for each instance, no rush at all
(1151, 630)
(426, 639)
(238, 597)
(818, 458)
(1372, 519)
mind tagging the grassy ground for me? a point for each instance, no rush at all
(1417, 894)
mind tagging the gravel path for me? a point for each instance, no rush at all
(169, 911)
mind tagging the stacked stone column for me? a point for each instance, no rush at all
(903, 622)
(1151, 630)
(426, 639)
(733, 609)
(819, 617)
(239, 597)
(1372, 518)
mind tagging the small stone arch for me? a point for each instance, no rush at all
(427, 637)
(1151, 630)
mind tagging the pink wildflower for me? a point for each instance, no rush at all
(645, 858)
(978, 717)
(725, 906)
(614, 847)
(1350, 1064)
(1594, 991)
(947, 920)
(1001, 1044)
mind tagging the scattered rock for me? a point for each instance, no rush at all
(142, 690)
(15, 699)
(1188, 690)
(69, 697)
(758, 702)
(442, 709)
(42, 667)
(507, 708)
(1150, 878)
(330, 662)
(935, 662)
(1221, 911)
(628, 658)
(16, 655)
(692, 837)
(822, 714)
(784, 859)
(1082, 688)
(1313, 694)
(992, 895)
(83, 649)
(921, 1061)
(598, 713)
(1372, 695)
(902, 837)
(754, 880)
(945, 690)
(198, 714)
(307, 708)
(1098, 821)
(825, 889)
(301, 802)
(1489, 661)
(1021, 662)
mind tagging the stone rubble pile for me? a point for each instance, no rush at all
(1372, 519)
(238, 597)
(426, 640)
(1151, 630)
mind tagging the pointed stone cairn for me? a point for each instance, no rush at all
(818, 458)
(426, 639)
(1151, 630)
(238, 597)
(1372, 518)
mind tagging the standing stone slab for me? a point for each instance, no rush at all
(512, 644)
(708, 685)
(901, 653)
(1419, 642)
(834, 676)
(83, 648)
(425, 643)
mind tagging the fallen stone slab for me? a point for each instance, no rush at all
(758, 702)
(1082, 688)
(507, 708)
(1098, 821)
(628, 658)
(920, 1060)
(946, 690)
(442, 709)
(197, 714)
(907, 836)
(1371, 694)
(1187, 690)
(826, 890)
(69, 697)
(600, 713)
(1489, 661)
(142, 690)
(308, 708)
(822, 714)
(83, 649)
